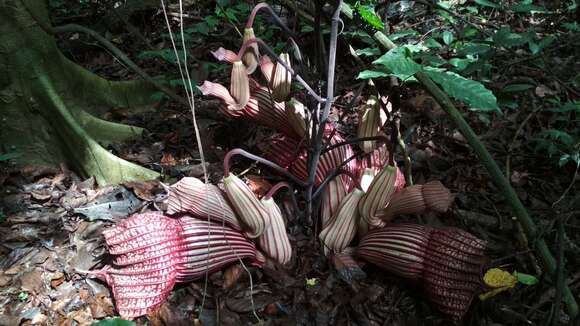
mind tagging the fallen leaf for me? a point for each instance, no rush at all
(259, 185)
(168, 160)
(56, 279)
(232, 275)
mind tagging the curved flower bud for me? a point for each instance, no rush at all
(369, 123)
(225, 55)
(437, 196)
(342, 229)
(281, 81)
(407, 201)
(202, 200)
(297, 115)
(250, 211)
(332, 197)
(240, 85)
(274, 241)
(250, 57)
(378, 195)
(366, 178)
(446, 262)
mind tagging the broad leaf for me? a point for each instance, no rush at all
(466, 90)
(114, 322)
(368, 52)
(399, 63)
(504, 37)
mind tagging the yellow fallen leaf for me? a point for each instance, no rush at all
(311, 281)
(499, 280)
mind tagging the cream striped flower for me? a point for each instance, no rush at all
(250, 210)
(342, 229)
(274, 241)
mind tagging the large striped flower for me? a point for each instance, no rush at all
(447, 262)
(154, 252)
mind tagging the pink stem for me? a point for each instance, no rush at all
(275, 188)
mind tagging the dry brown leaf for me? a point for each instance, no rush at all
(232, 275)
(259, 185)
(56, 279)
(168, 160)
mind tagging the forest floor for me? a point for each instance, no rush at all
(51, 220)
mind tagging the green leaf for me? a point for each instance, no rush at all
(486, 3)
(560, 135)
(399, 63)
(368, 52)
(526, 279)
(165, 54)
(23, 296)
(505, 38)
(368, 74)
(567, 107)
(466, 90)
(572, 27)
(367, 13)
(447, 37)
(114, 322)
(432, 43)
(473, 49)
(403, 33)
(527, 8)
(514, 88)
(462, 63)
(8, 156)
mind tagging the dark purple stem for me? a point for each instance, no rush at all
(264, 5)
(317, 144)
(272, 165)
(275, 188)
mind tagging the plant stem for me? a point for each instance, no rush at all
(317, 143)
(272, 165)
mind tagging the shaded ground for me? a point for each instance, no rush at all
(48, 243)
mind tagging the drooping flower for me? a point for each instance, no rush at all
(250, 57)
(240, 85)
(417, 199)
(369, 123)
(193, 196)
(342, 228)
(378, 195)
(281, 80)
(274, 241)
(154, 252)
(447, 262)
(249, 209)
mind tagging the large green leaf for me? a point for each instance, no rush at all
(466, 90)
(399, 63)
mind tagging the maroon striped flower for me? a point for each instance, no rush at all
(260, 108)
(417, 199)
(153, 252)
(447, 262)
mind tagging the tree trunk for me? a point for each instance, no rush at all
(49, 105)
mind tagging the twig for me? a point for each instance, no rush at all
(314, 156)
